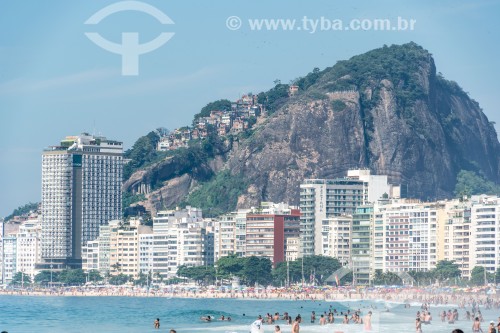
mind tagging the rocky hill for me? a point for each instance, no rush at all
(387, 110)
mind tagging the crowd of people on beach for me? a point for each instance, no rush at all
(470, 305)
(461, 307)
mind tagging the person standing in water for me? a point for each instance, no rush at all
(476, 326)
(296, 326)
(256, 326)
(157, 323)
(418, 326)
(368, 321)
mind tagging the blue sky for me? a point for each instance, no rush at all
(55, 82)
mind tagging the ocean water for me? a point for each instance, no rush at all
(19, 314)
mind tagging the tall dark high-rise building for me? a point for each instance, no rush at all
(81, 190)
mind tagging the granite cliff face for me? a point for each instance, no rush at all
(387, 110)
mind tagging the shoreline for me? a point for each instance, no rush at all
(386, 295)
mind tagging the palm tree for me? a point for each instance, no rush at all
(159, 277)
(117, 266)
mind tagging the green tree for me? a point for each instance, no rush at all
(158, 277)
(20, 278)
(308, 80)
(230, 266)
(22, 210)
(72, 277)
(117, 266)
(470, 183)
(258, 270)
(478, 275)
(141, 280)
(142, 153)
(378, 277)
(446, 270)
(219, 195)
(423, 278)
(220, 105)
(119, 279)
(319, 267)
(391, 278)
(94, 276)
(275, 97)
(201, 274)
(497, 275)
(251, 121)
(44, 277)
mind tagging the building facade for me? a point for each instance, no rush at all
(405, 236)
(322, 199)
(338, 237)
(485, 232)
(181, 237)
(361, 244)
(454, 236)
(268, 228)
(81, 190)
(28, 251)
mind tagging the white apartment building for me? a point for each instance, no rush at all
(322, 199)
(361, 242)
(81, 191)
(455, 235)
(90, 256)
(125, 248)
(28, 251)
(146, 253)
(485, 233)
(226, 236)
(104, 249)
(9, 268)
(124, 254)
(378, 185)
(405, 236)
(292, 248)
(180, 238)
(337, 231)
(230, 234)
(96, 253)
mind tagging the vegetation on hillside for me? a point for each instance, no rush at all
(399, 64)
(220, 105)
(402, 65)
(219, 195)
(25, 209)
(129, 198)
(142, 154)
(191, 159)
(275, 97)
(470, 183)
(305, 82)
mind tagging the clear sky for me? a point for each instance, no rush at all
(55, 82)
